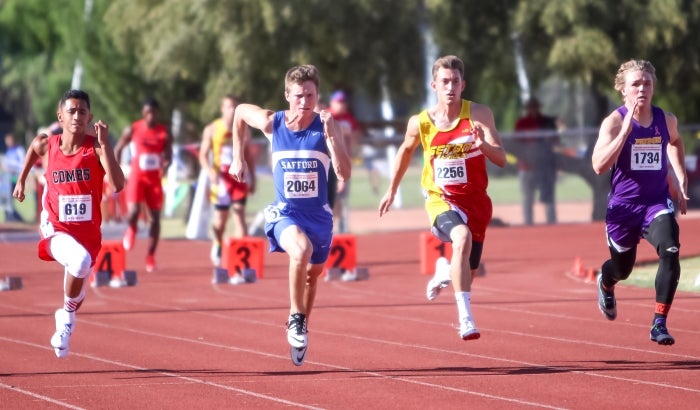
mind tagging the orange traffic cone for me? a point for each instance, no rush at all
(578, 267)
(590, 275)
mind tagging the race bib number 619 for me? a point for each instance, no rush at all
(75, 208)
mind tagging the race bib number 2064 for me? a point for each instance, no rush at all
(301, 184)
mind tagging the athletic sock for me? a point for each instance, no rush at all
(464, 305)
(661, 310)
(73, 304)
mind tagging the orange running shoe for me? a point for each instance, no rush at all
(150, 263)
(129, 237)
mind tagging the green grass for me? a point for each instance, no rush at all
(502, 189)
(644, 275)
(26, 209)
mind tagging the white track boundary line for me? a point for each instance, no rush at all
(430, 348)
(229, 347)
(594, 299)
(427, 322)
(475, 302)
(39, 396)
(168, 374)
(377, 341)
(251, 393)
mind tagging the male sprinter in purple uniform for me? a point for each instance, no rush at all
(300, 221)
(639, 141)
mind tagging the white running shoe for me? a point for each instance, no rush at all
(440, 280)
(468, 330)
(129, 237)
(236, 279)
(298, 354)
(65, 325)
(296, 330)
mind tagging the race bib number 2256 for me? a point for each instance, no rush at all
(450, 171)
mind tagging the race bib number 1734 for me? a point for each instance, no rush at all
(646, 157)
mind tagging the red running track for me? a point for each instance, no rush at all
(176, 341)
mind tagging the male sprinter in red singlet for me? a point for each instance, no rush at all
(457, 136)
(226, 192)
(151, 144)
(76, 165)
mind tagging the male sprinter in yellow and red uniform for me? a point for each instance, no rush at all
(151, 143)
(457, 136)
(225, 192)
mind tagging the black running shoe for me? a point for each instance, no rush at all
(606, 300)
(660, 335)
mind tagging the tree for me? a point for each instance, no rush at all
(585, 41)
(30, 51)
(188, 53)
(40, 46)
(479, 33)
(207, 48)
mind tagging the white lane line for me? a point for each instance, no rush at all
(374, 315)
(39, 396)
(228, 317)
(499, 307)
(165, 373)
(429, 322)
(262, 396)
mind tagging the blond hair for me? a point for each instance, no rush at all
(633, 65)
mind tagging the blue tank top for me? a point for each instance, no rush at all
(639, 174)
(300, 164)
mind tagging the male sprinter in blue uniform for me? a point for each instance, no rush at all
(300, 221)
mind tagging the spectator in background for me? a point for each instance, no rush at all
(350, 129)
(353, 131)
(369, 155)
(14, 159)
(537, 167)
(341, 113)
